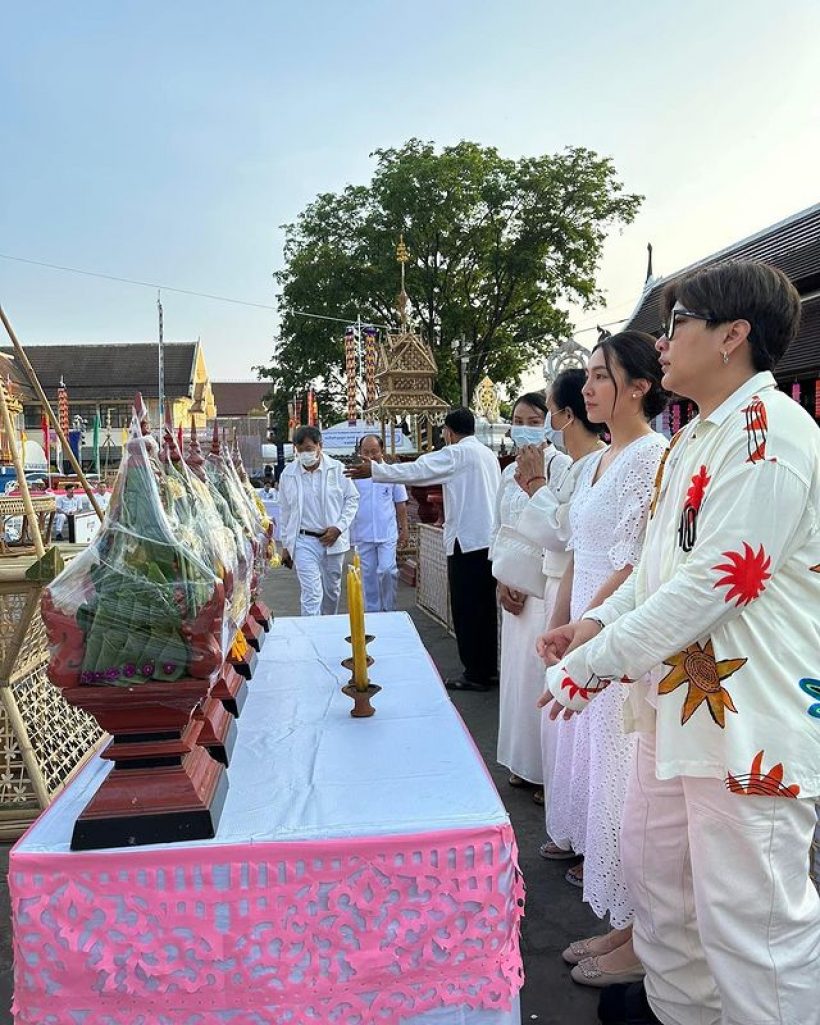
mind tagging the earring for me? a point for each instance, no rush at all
(634, 395)
(725, 358)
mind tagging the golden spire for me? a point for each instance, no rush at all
(402, 256)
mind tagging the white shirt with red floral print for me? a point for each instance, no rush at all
(723, 609)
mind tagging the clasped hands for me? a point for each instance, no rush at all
(553, 645)
(529, 466)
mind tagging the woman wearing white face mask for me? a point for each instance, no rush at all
(318, 504)
(521, 593)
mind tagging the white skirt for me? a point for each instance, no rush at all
(521, 685)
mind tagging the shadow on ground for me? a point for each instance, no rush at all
(555, 914)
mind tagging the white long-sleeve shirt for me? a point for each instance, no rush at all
(469, 474)
(331, 500)
(724, 606)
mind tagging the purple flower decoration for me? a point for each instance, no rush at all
(168, 667)
(148, 669)
(86, 677)
(99, 677)
(129, 669)
(112, 673)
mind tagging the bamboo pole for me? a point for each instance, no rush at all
(41, 395)
(11, 434)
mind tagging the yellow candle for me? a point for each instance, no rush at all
(357, 562)
(355, 604)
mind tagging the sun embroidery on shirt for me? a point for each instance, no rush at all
(815, 569)
(757, 429)
(756, 783)
(812, 688)
(746, 574)
(687, 529)
(696, 666)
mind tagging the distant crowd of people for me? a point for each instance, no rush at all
(672, 587)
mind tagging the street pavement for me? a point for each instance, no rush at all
(555, 914)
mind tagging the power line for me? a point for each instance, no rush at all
(231, 299)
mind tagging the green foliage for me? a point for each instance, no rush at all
(498, 248)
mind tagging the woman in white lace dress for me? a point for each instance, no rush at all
(524, 614)
(592, 761)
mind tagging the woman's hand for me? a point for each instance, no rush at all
(529, 467)
(511, 600)
(554, 644)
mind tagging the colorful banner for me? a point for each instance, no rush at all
(95, 443)
(312, 409)
(62, 407)
(291, 420)
(350, 372)
(297, 410)
(370, 369)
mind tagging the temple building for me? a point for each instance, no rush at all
(792, 245)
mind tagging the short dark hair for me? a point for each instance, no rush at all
(567, 392)
(460, 421)
(536, 399)
(70, 487)
(743, 290)
(364, 438)
(303, 434)
(636, 355)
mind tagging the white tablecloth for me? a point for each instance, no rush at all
(303, 768)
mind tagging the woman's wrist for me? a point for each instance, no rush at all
(535, 484)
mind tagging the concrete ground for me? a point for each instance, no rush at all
(555, 914)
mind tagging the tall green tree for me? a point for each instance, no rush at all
(498, 249)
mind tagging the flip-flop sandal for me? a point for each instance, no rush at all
(538, 796)
(459, 683)
(517, 781)
(552, 852)
(574, 878)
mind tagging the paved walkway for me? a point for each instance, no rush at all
(555, 914)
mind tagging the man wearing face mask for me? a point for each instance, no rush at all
(469, 474)
(318, 504)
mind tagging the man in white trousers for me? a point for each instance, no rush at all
(381, 523)
(318, 504)
(716, 636)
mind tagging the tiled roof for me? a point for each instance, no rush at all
(239, 398)
(793, 246)
(113, 372)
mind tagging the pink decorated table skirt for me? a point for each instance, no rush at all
(363, 871)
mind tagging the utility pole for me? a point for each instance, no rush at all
(160, 370)
(463, 361)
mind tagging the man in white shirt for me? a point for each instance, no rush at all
(102, 494)
(469, 474)
(318, 504)
(380, 523)
(68, 504)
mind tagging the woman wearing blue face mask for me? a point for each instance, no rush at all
(521, 587)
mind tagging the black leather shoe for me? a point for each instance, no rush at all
(626, 1005)
(462, 683)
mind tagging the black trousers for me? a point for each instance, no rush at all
(475, 613)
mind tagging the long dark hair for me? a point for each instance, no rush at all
(536, 399)
(567, 393)
(636, 355)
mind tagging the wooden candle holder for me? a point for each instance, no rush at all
(362, 709)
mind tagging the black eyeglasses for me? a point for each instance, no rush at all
(669, 326)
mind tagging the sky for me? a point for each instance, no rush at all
(167, 142)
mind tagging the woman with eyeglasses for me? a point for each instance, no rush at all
(723, 616)
(608, 515)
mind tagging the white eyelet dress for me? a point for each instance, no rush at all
(593, 755)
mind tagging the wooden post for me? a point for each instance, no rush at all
(41, 395)
(9, 428)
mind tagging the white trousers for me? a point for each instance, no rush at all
(320, 576)
(380, 574)
(727, 920)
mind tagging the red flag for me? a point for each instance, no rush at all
(46, 439)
